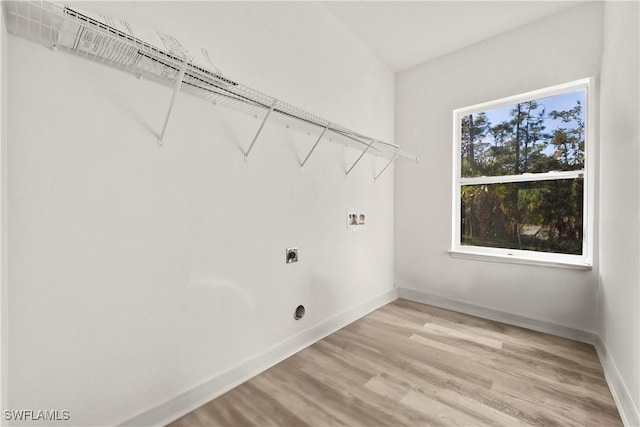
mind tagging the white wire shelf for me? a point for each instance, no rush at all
(114, 43)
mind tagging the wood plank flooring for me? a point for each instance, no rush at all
(409, 364)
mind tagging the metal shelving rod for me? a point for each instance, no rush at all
(314, 147)
(385, 167)
(115, 43)
(349, 136)
(255, 138)
(176, 90)
(361, 156)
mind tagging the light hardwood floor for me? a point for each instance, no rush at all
(409, 364)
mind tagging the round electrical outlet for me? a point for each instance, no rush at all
(299, 314)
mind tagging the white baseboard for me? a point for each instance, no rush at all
(499, 316)
(627, 408)
(625, 404)
(186, 402)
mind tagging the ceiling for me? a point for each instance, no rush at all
(407, 33)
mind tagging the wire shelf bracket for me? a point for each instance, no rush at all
(385, 167)
(359, 158)
(255, 138)
(314, 147)
(176, 90)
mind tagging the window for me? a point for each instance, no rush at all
(522, 178)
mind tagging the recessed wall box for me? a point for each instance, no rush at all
(355, 220)
(292, 255)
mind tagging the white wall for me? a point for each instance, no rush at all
(138, 273)
(4, 312)
(620, 199)
(556, 49)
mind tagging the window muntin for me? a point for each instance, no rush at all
(520, 178)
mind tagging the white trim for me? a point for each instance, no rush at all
(525, 177)
(589, 205)
(514, 256)
(626, 407)
(588, 337)
(527, 96)
(457, 192)
(186, 402)
(519, 256)
(622, 397)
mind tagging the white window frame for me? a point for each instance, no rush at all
(585, 260)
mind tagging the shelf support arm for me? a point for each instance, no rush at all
(314, 147)
(386, 166)
(176, 89)
(255, 138)
(361, 156)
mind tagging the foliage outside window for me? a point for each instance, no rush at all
(521, 168)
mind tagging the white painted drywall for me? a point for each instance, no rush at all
(556, 49)
(138, 273)
(619, 217)
(4, 312)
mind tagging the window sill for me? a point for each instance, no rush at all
(519, 259)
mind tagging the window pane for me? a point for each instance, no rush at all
(541, 135)
(543, 216)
